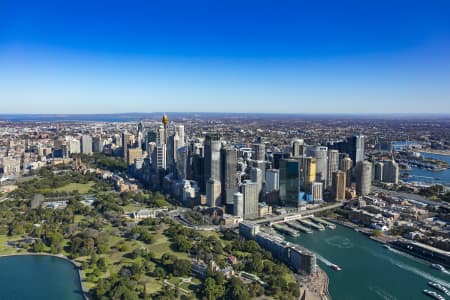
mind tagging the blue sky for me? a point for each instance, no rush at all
(232, 56)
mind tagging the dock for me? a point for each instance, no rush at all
(286, 230)
(311, 224)
(299, 227)
(323, 222)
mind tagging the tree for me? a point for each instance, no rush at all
(159, 273)
(211, 290)
(237, 290)
(182, 267)
(38, 246)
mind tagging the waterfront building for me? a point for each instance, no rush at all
(363, 178)
(338, 185)
(317, 191)
(391, 171)
(290, 182)
(309, 171)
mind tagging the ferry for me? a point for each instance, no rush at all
(335, 267)
(387, 246)
(438, 267)
(439, 287)
(433, 294)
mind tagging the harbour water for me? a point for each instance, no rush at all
(39, 278)
(369, 271)
(427, 176)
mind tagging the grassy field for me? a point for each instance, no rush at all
(82, 188)
(5, 249)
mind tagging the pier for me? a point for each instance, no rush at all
(286, 230)
(323, 222)
(311, 224)
(297, 226)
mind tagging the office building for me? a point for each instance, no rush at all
(338, 185)
(97, 144)
(290, 182)
(308, 171)
(212, 156)
(298, 148)
(320, 153)
(213, 192)
(272, 180)
(346, 165)
(317, 191)
(378, 171)
(86, 144)
(229, 176)
(133, 154)
(390, 171)
(238, 204)
(259, 151)
(356, 148)
(333, 164)
(250, 191)
(363, 178)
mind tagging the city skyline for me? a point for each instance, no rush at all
(260, 57)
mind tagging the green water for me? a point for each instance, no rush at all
(38, 278)
(369, 271)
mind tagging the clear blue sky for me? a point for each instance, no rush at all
(225, 55)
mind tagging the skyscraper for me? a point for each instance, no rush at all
(338, 185)
(272, 180)
(317, 191)
(333, 164)
(308, 172)
(229, 175)
(290, 182)
(212, 156)
(86, 144)
(256, 176)
(238, 204)
(259, 151)
(346, 165)
(97, 144)
(390, 171)
(378, 171)
(356, 148)
(321, 155)
(363, 178)
(250, 192)
(298, 148)
(126, 143)
(213, 191)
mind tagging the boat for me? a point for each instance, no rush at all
(335, 267)
(433, 294)
(386, 246)
(439, 287)
(438, 267)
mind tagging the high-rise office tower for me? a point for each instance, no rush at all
(229, 177)
(165, 124)
(298, 148)
(213, 192)
(152, 136)
(321, 155)
(86, 144)
(181, 163)
(259, 151)
(133, 154)
(309, 171)
(356, 148)
(390, 171)
(338, 185)
(160, 157)
(127, 139)
(378, 171)
(290, 182)
(363, 178)
(238, 204)
(250, 192)
(333, 164)
(179, 130)
(272, 180)
(74, 146)
(212, 156)
(256, 176)
(346, 165)
(140, 134)
(97, 144)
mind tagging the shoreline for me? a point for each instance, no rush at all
(62, 257)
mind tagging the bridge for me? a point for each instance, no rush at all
(298, 215)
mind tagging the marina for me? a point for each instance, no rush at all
(323, 222)
(285, 230)
(311, 224)
(296, 225)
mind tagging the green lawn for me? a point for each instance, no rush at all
(82, 188)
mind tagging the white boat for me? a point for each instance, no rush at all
(438, 267)
(439, 287)
(335, 267)
(433, 294)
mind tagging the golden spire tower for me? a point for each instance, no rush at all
(165, 121)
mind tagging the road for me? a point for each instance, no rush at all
(304, 212)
